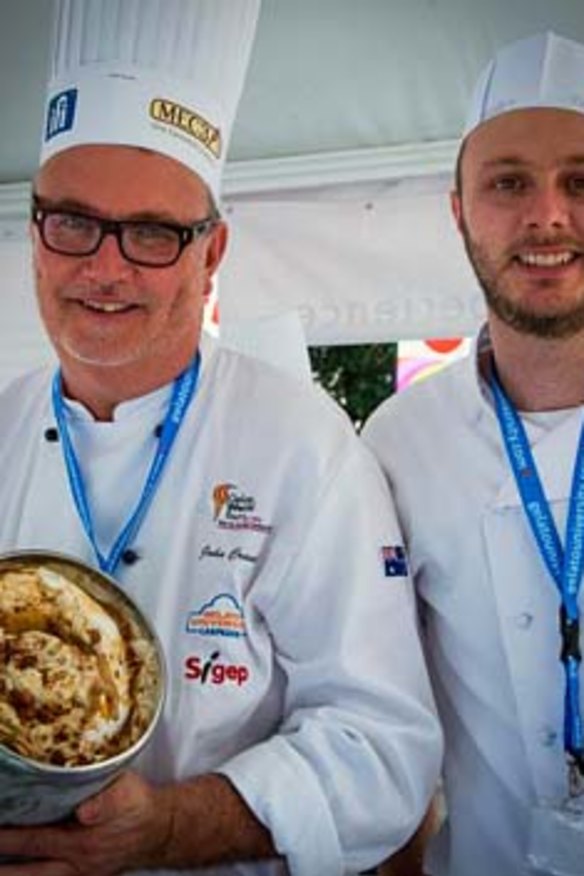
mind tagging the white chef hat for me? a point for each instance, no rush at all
(544, 70)
(166, 75)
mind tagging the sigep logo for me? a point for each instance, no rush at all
(213, 672)
(61, 113)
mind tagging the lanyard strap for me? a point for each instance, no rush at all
(182, 393)
(565, 565)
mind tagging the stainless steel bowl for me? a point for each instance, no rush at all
(32, 792)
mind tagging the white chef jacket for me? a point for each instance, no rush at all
(294, 665)
(488, 606)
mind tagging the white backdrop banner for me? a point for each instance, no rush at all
(364, 266)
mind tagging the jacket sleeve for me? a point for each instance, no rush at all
(348, 776)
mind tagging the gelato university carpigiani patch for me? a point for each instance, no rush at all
(78, 676)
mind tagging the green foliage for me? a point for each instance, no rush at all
(358, 377)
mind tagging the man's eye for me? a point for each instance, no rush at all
(508, 184)
(72, 222)
(576, 185)
(150, 233)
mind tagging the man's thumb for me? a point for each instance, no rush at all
(97, 809)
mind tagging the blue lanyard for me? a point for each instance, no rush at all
(565, 565)
(182, 393)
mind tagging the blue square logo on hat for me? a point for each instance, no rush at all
(61, 113)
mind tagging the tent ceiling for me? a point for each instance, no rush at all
(327, 76)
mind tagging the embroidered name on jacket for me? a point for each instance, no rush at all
(208, 552)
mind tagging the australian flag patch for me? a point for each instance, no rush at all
(395, 562)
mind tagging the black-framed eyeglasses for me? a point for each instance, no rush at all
(141, 241)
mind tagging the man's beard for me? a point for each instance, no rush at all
(514, 314)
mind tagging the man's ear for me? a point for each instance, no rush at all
(456, 207)
(216, 247)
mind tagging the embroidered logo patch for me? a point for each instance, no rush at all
(222, 616)
(394, 559)
(211, 670)
(234, 509)
(61, 113)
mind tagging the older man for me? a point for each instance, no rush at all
(299, 733)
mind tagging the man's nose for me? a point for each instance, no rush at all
(108, 261)
(548, 208)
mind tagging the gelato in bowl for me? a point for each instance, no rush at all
(82, 684)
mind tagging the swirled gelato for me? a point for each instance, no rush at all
(78, 675)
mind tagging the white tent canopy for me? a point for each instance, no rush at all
(340, 164)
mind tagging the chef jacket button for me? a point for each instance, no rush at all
(158, 430)
(548, 737)
(130, 556)
(524, 620)
(51, 434)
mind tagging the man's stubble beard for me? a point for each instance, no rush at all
(518, 317)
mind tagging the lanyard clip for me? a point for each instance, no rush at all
(570, 632)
